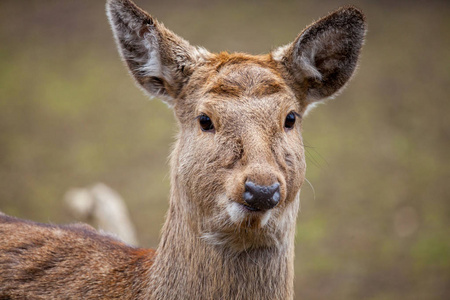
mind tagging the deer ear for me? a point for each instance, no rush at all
(159, 60)
(324, 56)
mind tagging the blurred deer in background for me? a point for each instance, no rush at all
(104, 207)
(237, 168)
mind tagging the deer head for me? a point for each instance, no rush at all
(238, 163)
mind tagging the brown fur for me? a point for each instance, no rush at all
(211, 246)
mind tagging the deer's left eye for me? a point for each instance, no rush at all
(289, 122)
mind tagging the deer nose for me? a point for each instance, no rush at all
(259, 197)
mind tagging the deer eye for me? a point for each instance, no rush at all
(205, 123)
(289, 122)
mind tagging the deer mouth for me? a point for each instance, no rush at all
(251, 209)
(244, 215)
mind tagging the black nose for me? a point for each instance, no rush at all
(260, 197)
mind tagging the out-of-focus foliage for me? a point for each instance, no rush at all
(378, 226)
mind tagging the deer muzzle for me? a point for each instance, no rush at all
(261, 197)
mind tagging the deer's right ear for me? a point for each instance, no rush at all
(324, 56)
(159, 60)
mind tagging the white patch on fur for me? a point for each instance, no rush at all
(307, 64)
(265, 218)
(235, 212)
(153, 66)
(280, 52)
(201, 54)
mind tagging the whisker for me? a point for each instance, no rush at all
(311, 159)
(312, 188)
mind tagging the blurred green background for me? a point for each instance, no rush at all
(377, 226)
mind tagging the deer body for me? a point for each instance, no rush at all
(237, 168)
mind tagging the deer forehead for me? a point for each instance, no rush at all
(251, 77)
(247, 90)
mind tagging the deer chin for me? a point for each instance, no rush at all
(240, 229)
(239, 240)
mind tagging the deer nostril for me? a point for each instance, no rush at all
(261, 197)
(248, 196)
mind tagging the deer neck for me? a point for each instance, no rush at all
(186, 265)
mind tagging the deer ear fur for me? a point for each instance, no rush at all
(324, 56)
(160, 61)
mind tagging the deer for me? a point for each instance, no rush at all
(237, 168)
